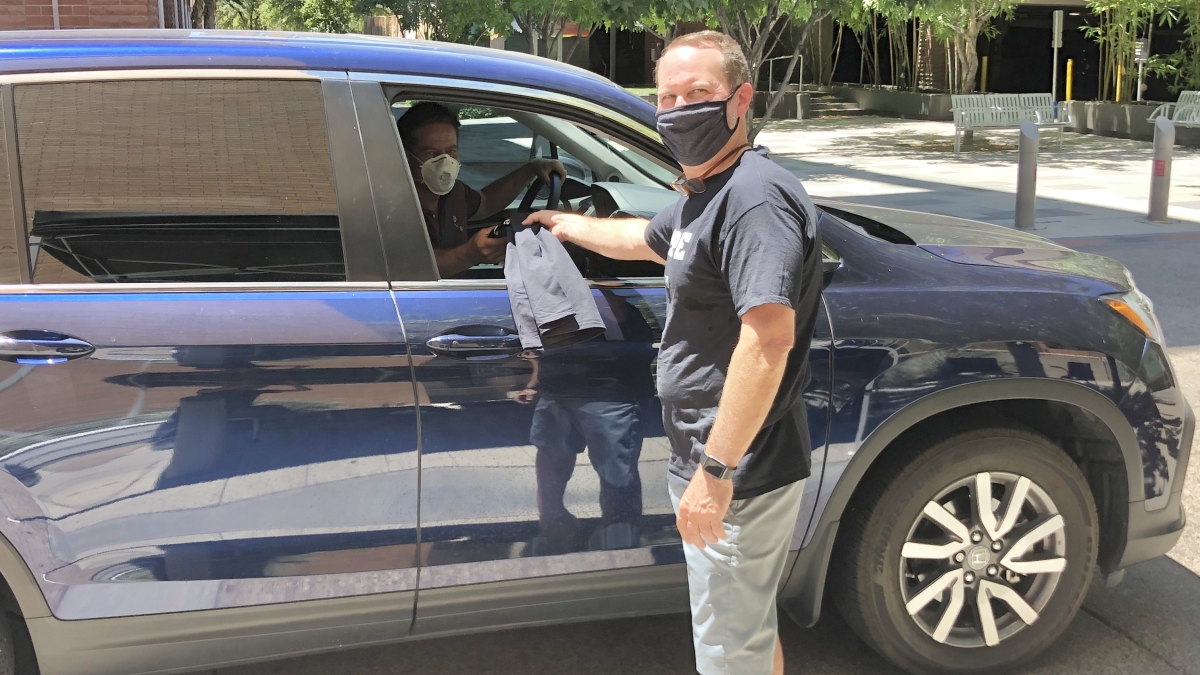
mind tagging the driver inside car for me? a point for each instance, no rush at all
(429, 133)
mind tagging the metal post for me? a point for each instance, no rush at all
(1070, 79)
(612, 53)
(1056, 43)
(983, 71)
(1027, 152)
(1160, 174)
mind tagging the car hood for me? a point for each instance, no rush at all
(971, 242)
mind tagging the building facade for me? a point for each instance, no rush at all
(62, 14)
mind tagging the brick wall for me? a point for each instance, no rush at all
(39, 14)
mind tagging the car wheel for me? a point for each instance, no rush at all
(968, 553)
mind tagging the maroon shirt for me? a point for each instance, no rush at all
(459, 204)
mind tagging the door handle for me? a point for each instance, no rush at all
(475, 343)
(41, 348)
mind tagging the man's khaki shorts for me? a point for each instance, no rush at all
(733, 583)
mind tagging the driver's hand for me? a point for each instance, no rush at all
(544, 167)
(487, 249)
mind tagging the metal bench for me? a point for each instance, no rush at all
(1183, 113)
(979, 112)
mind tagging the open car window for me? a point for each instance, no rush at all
(605, 177)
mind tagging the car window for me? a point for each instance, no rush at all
(178, 180)
(9, 271)
(605, 177)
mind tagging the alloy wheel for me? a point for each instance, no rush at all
(982, 559)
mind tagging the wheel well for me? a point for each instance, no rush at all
(1082, 435)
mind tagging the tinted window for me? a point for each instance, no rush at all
(178, 180)
(8, 231)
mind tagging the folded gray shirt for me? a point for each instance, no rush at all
(551, 302)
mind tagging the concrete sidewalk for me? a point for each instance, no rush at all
(1094, 186)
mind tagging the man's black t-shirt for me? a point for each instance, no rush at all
(749, 239)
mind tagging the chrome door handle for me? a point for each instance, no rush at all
(41, 348)
(475, 342)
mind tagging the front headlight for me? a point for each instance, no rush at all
(1138, 310)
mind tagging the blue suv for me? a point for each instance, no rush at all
(242, 416)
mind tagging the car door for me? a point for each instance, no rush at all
(205, 394)
(543, 474)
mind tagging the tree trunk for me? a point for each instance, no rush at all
(968, 59)
(210, 14)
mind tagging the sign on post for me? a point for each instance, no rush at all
(1141, 54)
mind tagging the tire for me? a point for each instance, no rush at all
(8, 657)
(885, 563)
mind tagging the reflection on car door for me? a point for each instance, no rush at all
(169, 445)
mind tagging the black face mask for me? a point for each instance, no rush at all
(696, 132)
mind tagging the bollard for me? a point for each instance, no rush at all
(1160, 173)
(1027, 152)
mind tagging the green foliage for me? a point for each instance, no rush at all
(1182, 68)
(465, 21)
(330, 16)
(960, 23)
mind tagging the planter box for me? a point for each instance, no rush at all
(1123, 120)
(792, 105)
(908, 104)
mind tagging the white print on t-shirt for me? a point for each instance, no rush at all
(679, 240)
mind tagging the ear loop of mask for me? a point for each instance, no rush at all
(694, 186)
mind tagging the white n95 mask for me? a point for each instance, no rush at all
(440, 173)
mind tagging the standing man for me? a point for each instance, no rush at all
(743, 278)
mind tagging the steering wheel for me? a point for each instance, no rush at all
(556, 183)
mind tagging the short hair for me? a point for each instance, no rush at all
(420, 116)
(737, 69)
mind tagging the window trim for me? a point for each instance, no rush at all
(197, 287)
(550, 103)
(356, 217)
(8, 108)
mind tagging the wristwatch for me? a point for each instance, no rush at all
(715, 467)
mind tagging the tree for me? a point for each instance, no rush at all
(244, 14)
(543, 22)
(464, 21)
(960, 23)
(329, 16)
(763, 27)
(204, 13)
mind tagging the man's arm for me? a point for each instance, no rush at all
(617, 238)
(755, 371)
(480, 248)
(501, 192)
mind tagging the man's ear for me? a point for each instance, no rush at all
(744, 99)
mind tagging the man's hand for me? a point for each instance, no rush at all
(555, 221)
(525, 396)
(486, 248)
(544, 167)
(702, 509)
